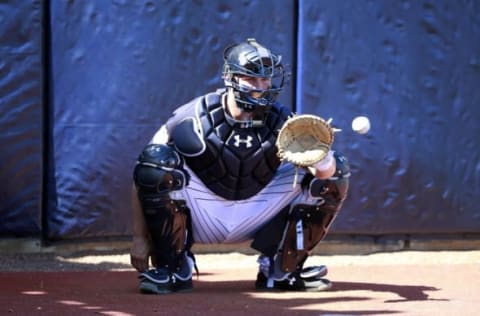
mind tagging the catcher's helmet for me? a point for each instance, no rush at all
(249, 58)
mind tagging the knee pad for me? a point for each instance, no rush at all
(158, 172)
(332, 191)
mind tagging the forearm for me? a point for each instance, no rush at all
(325, 168)
(140, 250)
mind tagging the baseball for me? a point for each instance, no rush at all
(361, 124)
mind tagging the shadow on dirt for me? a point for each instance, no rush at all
(74, 288)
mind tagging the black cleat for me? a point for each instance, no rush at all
(162, 281)
(307, 280)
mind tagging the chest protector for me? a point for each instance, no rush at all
(234, 162)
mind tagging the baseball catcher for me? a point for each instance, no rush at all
(221, 169)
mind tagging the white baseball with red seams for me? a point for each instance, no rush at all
(361, 124)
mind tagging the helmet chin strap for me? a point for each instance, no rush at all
(244, 124)
(257, 119)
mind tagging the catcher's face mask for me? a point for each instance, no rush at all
(250, 59)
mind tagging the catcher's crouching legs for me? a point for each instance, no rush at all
(306, 226)
(158, 174)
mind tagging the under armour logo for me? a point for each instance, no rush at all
(247, 141)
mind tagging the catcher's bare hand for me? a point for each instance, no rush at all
(140, 253)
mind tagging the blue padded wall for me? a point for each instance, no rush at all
(413, 67)
(21, 119)
(119, 69)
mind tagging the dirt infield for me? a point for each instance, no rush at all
(402, 283)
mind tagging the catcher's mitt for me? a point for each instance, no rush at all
(304, 139)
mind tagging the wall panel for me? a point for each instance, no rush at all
(119, 69)
(21, 119)
(413, 68)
